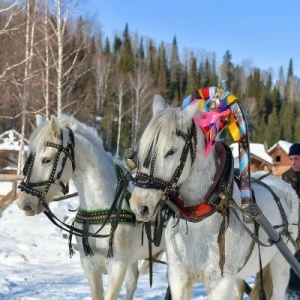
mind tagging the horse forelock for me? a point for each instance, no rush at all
(40, 135)
(159, 133)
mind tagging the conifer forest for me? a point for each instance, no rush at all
(54, 61)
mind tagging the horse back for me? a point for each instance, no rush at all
(268, 190)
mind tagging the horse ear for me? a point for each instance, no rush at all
(39, 120)
(158, 104)
(55, 129)
(191, 111)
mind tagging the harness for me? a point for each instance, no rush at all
(219, 191)
(217, 199)
(114, 215)
(144, 180)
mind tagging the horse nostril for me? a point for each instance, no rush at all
(144, 210)
(28, 207)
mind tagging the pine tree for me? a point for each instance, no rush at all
(272, 132)
(297, 130)
(161, 71)
(126, 61)
(281, 82)
(206, 77)
(150, 59)
(276, 100)
(192, 80)
(227, 70)
(117, 45)
(289, 87)
(106, 50)
(141, 52)
(287, 122)
(174, 71)
(214, 80)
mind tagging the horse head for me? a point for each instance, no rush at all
(166, 152)
(48, 168)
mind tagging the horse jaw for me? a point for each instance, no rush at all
(143, 203)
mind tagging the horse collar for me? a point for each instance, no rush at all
(223, 184)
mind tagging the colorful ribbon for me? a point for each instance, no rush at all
(221, 108)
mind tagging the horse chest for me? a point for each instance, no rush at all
(192, 246)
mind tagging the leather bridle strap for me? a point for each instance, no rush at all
(144, 180)
(114, 209)
(29, 187)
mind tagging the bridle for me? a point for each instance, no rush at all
(114, 215)
(144, 180)
(68, 152)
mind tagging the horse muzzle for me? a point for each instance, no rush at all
(144, 204)
(30, 205)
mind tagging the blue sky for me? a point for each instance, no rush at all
(265, 32)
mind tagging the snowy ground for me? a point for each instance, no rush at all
(35, 263)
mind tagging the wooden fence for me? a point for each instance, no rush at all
(11, 196)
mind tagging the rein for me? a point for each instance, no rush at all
(150, 182)
(113, 216)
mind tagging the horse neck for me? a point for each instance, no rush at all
(94, 176)
(196, 186)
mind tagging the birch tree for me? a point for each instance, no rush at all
(9, 12)
(121, 87)
(142, 87)
(102, 70)
(30, 28)
(65, 72)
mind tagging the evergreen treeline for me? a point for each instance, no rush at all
(109, 82)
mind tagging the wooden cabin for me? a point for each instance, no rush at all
(280, 155)
(260, 159)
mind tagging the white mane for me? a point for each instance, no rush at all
(160, 131)
(85, 131)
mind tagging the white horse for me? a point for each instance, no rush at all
(193, 251)
(55, 156)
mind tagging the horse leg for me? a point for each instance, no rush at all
(222, 288)
(116, 275)
(239, 289)
(131, 279)
(180, 284)
(280, 272)
(94, 275)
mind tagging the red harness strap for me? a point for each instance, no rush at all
(195, 211)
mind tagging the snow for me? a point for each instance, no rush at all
(283, 144)
(255, 149)
(11, 140)
(35, 262)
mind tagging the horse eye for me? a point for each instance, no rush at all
(46, 160)
(170, 152)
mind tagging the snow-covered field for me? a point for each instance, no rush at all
(35, 262)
